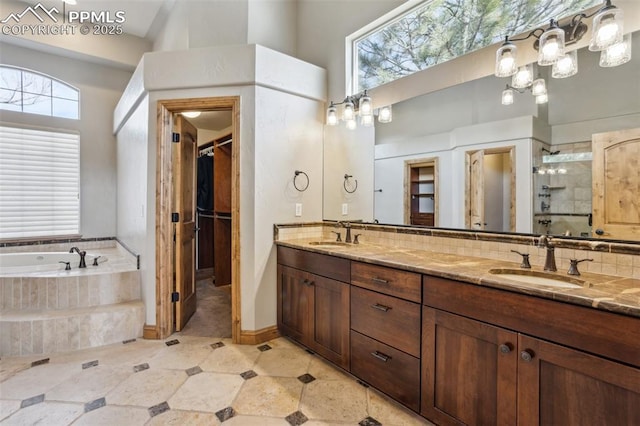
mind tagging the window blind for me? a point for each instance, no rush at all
(39, 183)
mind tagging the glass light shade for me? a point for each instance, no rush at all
(542, 99)
(507, 97)
(607, 29)
(617, 54)
(538, 87)
(351, 124)
(365, 107)
(506, 60)
(366, 120)
(551, 46)
(523, 77)
(348, 112)
(385, 115)
(332, 115)
(191, 114)
(566, 65)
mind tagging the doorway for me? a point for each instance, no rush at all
(490, 190)
(174, 284)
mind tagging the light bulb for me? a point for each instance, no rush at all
(364, 106)
(366, 120)
(607, 28)
(551, 45)
(542, 99)
(539, 87)
(523, 77)
(616, 54)
(566, 65)
(351, 124)
(507, 97)
(332, 115)
(506, 60)
(385, 115)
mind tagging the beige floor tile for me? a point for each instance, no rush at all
(268, 396)
(147, 388)
(183, 418)
(210, 392)
(37, 380)
(89, 384)
(389, 412)
(283, 362)
(334, 400)
(231, 359)
(8, 407)
(46, 413)
(321, 423)
(112, 415)
(255, 421)
(180, 356)
(322, 370)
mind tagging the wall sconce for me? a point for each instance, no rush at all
(606, 37)
(354, 106)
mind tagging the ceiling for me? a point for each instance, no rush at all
(212, 120)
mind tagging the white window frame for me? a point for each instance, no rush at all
(48, 207)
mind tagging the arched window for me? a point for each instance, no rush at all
(36, 93)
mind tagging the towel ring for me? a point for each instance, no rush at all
(295, 176)
(344, 184)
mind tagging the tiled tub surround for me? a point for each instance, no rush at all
(54, 311)
(614, 275)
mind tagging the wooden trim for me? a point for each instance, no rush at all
(416, 163)
(255, 337)
(164, 229)
(150, 332)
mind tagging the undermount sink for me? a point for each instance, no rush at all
(539, 278)
(328, 243)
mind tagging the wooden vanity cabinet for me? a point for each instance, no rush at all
(481, 365)
(313, 309)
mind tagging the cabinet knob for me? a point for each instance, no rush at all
(526, 355)
(307, 282)
(506, 348)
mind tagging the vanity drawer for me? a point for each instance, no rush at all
(394, 282)
(388, 319)
(332, 267)
(390, 370)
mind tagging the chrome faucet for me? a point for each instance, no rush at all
(550, 259)
(82, 254)
(347, 227)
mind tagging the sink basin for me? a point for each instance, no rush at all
(525, 276)
(328, 243)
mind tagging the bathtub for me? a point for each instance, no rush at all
(15, 263)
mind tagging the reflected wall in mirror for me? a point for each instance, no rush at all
(450, 123)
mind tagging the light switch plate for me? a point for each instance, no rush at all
(345, 209)
(298, 209)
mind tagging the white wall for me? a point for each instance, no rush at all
(100, 88)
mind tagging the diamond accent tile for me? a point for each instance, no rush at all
(90, 364)
(217, 345)
(32, 401)
(140, 367)
(296, 419)
(159, 409)
(40, 362)
(94, 405)
(249, 374)
(193, 371)
(306, 378)
(264, 348)
(370, 421)
(172, 342)
(225, 414)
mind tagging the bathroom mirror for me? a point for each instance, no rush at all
(453, 125)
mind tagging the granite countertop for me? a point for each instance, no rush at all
(605, 292)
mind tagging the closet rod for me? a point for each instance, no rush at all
(224, 143)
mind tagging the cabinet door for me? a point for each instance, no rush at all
(295, 304)
(469, 371)
(563, 386)
(331, 319)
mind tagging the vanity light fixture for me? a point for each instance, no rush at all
(354, 107)
(523, 81)
(551, 43)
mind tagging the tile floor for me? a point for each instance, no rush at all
(189, 379)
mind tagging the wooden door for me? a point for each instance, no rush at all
(476, 191)
(184, 190)
(331, 320)
(564, 386)
(295, 304)
(469, 371)
(616, 185)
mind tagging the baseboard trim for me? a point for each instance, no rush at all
(150, 332)
(255, 337)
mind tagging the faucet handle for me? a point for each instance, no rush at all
(68, 265)
(525, 259)
(338, 237)
(573, 266)
(95, 260)
(355, 239)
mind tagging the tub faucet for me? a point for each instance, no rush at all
(82, 254)
(550, 259)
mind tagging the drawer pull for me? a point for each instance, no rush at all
(381, 307)
(379, 281)
(382, 357)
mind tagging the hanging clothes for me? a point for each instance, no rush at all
(205, 183)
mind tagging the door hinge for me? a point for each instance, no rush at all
(175, 137)
(175, 217)
(175, 296)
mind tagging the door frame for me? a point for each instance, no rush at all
(164, 227)
(417, 163)
(511, 150)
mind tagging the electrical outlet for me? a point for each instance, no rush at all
(298, 209)
(345, 209)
